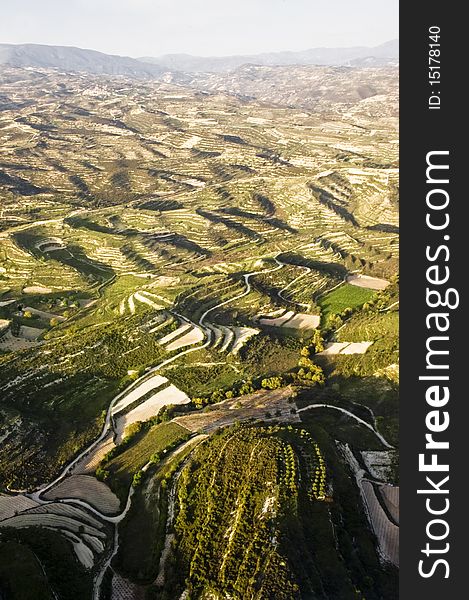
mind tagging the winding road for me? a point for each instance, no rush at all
(107, 426)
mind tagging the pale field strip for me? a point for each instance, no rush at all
(356, 348)
(191, 142)
(194, 336)
(241, 336)
(149, 408)
(131, 303)
(390, 496)
(293, 320)
(87, 488)
(161, 325)
(183, 328)
(146, 386)
(82, 551)
(386, 532)
(52, 520)
(10, 505)
(364, 281)
(303, 321)
(36, 289)
(141, 297)
(332, 348)
(89, 462)
(95, 543)
(6, 303)
(67, 510)
(279, 321)
(228, 336)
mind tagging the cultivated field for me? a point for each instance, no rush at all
(192, 243)
(86, 488)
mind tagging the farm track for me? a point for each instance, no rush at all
(350, 414)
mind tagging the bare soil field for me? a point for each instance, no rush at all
(145, 387)
(391, 500)
(10, 505)
(242, 334)
(89, 462)
(293, 320)
(36, 289)
(85, 487)
(194, 336)
(174, 334)
(262, 404)
(364, 281)
(30, 333)
(150, 408)
(9, 342)
(303, 321)
(278, 321)
(386, 532)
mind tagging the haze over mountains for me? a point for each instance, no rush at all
(384, 54)
(71, 59)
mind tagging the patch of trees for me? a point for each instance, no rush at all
(238, 227)
(238, 212)
(333, 204)
(336, 270)
(161, 205)
(265, 203)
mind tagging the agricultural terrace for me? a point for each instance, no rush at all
(160, 244)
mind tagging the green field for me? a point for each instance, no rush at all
(345, 296)
(123, 466)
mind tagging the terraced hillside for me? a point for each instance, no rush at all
(174, 262)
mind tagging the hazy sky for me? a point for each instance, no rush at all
(204, 27)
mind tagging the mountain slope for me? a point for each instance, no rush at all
(70, 59)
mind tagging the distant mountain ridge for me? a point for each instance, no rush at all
(382, 55)
(71, 59)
